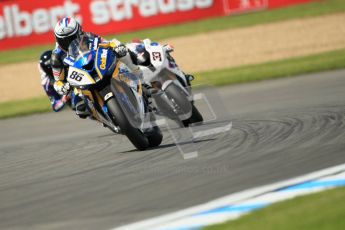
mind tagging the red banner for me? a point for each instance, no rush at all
(24, 23)
(241, 6)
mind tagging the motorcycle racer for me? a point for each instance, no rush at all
(141, 57)
(47, 81)
(67, 30)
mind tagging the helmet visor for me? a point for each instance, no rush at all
(66, 41)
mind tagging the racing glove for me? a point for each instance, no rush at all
(168, 48)
(127, 60)
(62, 88)
(120, 50)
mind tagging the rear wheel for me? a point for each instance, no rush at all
(138, 139)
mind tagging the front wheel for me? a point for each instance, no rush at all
(154, 136)
(180, 105)
(138, 138)
(196, 117)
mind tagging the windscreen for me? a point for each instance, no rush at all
(79, 48)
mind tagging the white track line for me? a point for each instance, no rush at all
(231, 200)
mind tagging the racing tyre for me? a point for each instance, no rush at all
(196, 118)
(138, 139)
(180, 102)
(154, 137)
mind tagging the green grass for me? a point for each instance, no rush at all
(318, 8)
(24, 107)
(320, 211)
(277, 69)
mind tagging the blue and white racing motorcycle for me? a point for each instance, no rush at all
(113, 94)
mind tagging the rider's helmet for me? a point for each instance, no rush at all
(66, 30)
(45, 62)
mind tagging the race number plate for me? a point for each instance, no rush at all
(77, 77)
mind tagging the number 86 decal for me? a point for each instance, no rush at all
(76, 76)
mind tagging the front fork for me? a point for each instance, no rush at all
(96, 104)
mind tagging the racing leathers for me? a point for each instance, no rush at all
(47, 81)
(141, 57)
(60, 69)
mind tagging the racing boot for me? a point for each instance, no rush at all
(81, 110)
(147, 95)
(189, 78)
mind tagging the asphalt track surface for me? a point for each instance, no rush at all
(60, 172)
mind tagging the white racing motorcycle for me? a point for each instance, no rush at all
(169, 86)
